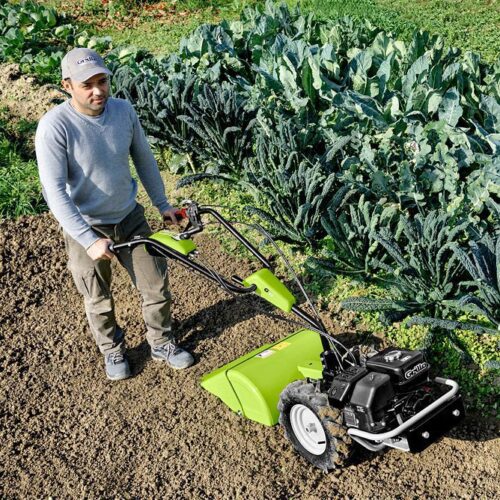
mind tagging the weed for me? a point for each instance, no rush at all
(20, 192)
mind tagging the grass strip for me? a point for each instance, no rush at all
(467, 24)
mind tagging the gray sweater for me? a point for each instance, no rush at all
(83, 164)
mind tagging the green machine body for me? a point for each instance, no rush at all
(251, 385)
(167, 238)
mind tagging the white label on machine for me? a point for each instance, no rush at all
(265, 354)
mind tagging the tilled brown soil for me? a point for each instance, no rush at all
(22, 97)
(68, 432)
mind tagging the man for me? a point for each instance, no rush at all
(83, 147)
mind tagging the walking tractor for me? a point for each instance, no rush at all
(327, 397)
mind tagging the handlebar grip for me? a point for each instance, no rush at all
(181, 214)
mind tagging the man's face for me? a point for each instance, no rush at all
(89, 97)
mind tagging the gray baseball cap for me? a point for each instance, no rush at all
(80, 64)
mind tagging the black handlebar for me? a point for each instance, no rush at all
(193, 213)
(167, 252)
(195, 225)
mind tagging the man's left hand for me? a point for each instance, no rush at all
(169, 216)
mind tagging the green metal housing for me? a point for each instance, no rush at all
(251, 385)
(271, 289)
(185, 247)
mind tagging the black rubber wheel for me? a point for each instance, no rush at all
(313, 426)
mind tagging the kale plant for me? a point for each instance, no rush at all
(291, 180)
(425, 273)
(222, 126)
(351, 221)
(159, 101)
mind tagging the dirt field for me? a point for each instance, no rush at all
(68, 432)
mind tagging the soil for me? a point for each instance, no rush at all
(129, 17)
(23, 98)
(68, 432)
(23, 102)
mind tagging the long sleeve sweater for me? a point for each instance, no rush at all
(83, 164)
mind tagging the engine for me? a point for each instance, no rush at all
(390, 388)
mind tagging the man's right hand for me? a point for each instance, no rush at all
(100, 250)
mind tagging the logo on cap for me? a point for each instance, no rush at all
(86, 60)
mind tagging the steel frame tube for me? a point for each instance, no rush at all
(406, 425)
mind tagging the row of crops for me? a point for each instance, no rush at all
(377, 156)
(384, 154)
(37, 38)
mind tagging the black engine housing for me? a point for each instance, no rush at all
(370, 398)
(390, 386)
(403, 366)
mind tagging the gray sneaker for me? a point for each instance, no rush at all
(117, 367)
(174, 356)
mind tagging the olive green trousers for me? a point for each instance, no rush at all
(148, 274)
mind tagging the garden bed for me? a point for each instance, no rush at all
(67, 431)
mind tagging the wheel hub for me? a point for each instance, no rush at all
(308, 429)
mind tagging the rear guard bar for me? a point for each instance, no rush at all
(393, 438)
